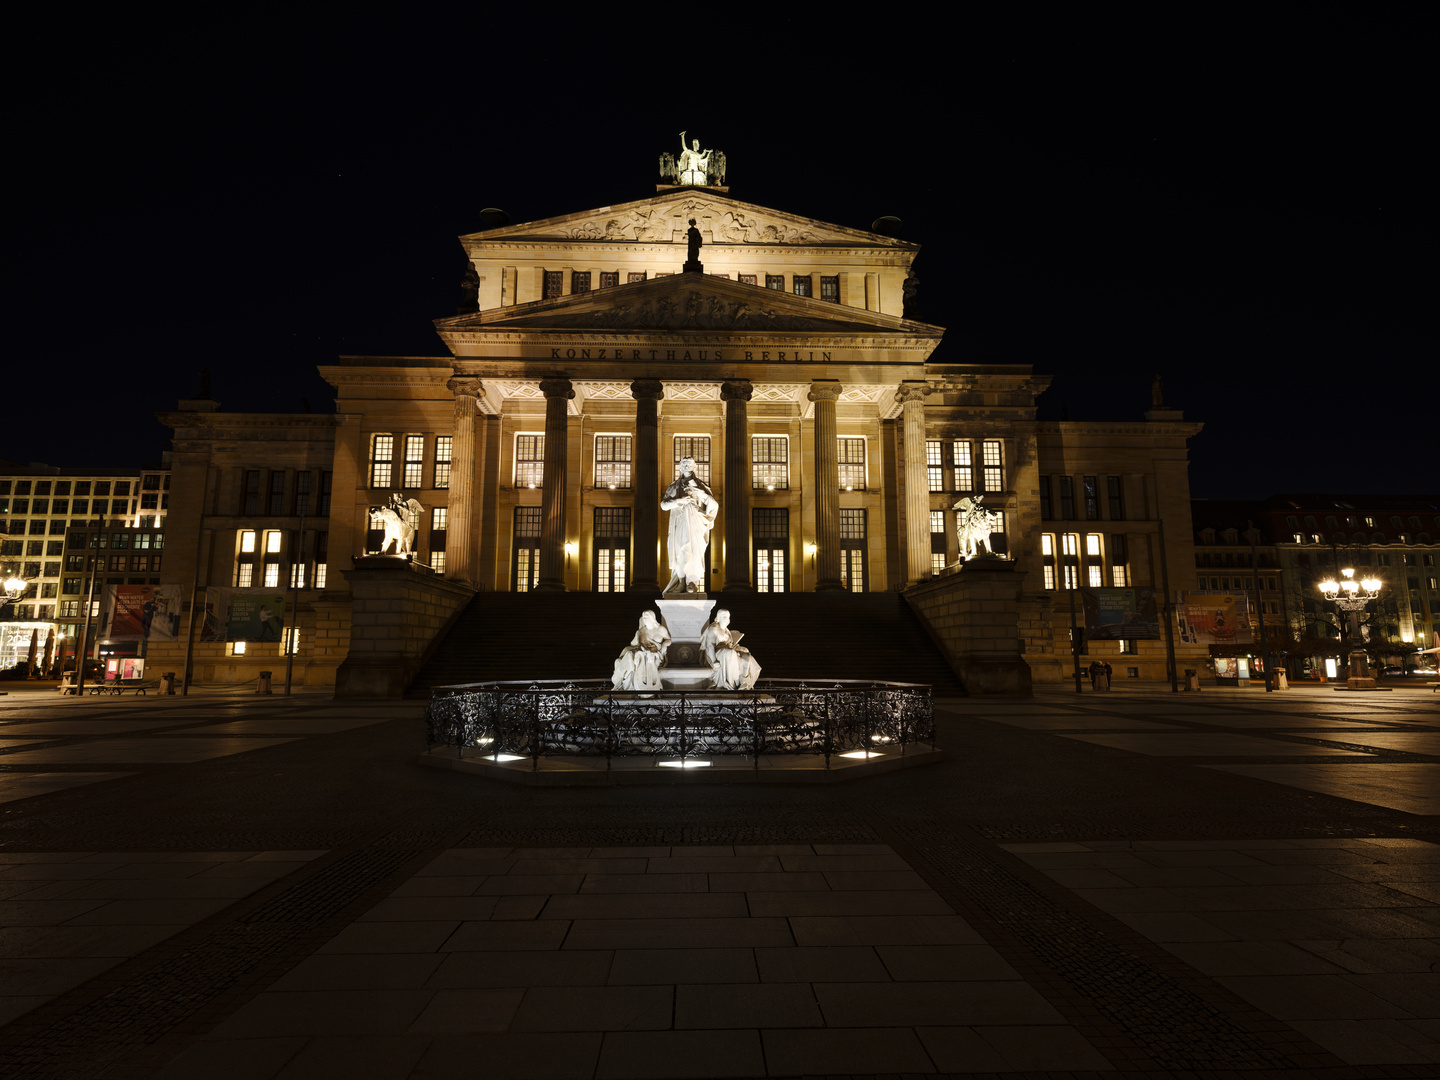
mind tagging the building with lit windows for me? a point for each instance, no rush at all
(586, 361)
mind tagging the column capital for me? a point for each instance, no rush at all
(736, 390)
(650, 389)
(912, 391)
(825, 390)
(558, 387)
(465, 386)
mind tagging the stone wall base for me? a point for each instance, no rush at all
(973, 613)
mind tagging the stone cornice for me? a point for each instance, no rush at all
(1100, 427)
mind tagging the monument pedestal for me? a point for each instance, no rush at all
(684, 619)
(973, 614)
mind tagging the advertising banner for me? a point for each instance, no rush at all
(255, 616)
(1115, 614)
(217, 608)
(141, 612)
(1215, 618)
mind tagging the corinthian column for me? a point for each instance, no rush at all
(647, 394)
(558, 393)
(460, 522)
(824, 393)
(736, 395)
(917, 482)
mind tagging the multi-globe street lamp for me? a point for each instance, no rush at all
(14, 586)
(1350, 597)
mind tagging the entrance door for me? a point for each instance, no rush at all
(525, 573)
(771, 530)
(612, 548)
(852, 550)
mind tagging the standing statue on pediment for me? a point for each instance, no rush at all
(693, 164)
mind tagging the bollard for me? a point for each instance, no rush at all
(167, 683)
(264, 687)
(1192, 679)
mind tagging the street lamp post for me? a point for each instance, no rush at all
(1350, 598)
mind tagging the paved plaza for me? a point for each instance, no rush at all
(1134, 884)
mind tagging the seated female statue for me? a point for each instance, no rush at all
(639, 663)
(732, 667)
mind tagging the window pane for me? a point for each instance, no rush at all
(443, 449)
(696, 447)
(852, 464)
(382, 453)
(529, 460)
(612, 461)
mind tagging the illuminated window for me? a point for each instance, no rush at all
(964, 466)
(247, 540)
(937, 522)
(612, 547)
(769, 463)
(272, 575)
(1095, 575)
(414, 460)
(934, 464)
(272, 542)
(612, 461)
(938, 559)
(852, 464)
(439, 532)
(697, 447)
(245, 575)
(801, 285)
(1092, 545)
(852, 550)
(775, 281)
(580, 281)
(1119, 561)
(771, 531)
(527, 548)
(993, 464)
(529, 461)
(235, 648)
(830, 289)
(382, 451)
(1069, 543)
(437, 562)
(290, 637)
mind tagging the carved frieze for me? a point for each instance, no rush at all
(666, 224)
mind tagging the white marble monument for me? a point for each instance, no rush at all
(692, 507)
(731, 665)
(639, 664)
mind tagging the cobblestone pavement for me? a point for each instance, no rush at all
(1133, 884)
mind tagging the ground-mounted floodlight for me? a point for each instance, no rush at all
(1350, 598)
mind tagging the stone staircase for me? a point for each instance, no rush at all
(505, 635)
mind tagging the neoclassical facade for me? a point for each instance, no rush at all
(593, 353)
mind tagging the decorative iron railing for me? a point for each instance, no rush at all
(512, 720)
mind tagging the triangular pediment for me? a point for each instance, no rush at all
(683, 302)
(665, 218)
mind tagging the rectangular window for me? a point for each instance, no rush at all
(612, 461)
(771, 530)
(800, 285)
(746, 279)
(69, 609)
(414, 460)
(852, 464)
(272, 575)
(580, 281)
(1044, 498)
(250, 504)
(444, 446)
(1119, 561)
(527, 548)
(769, 463)
(245, 575)
(852, 550)
(529, 461)
(938, 554)
(1117, 498)
(612, 547)
(830, 289)
(322, 545)
(934, 464)
(775, 281)
(609, 279)
(696, 447)
(964, 466)
(381, 456)
(303, 482)
(1092, 499)
(277, 493)
(1067, 498)
(635, 275)
(993, 464)
(554, 284)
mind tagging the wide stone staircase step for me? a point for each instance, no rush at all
(506, 635)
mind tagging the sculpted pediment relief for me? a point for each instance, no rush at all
(685, 302)
(664, 219)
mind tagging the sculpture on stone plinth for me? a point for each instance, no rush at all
(732, 666)
(693, 165)
(639, 663)
(973, 526)
(693, 240)
(398, 530)
(692, 508)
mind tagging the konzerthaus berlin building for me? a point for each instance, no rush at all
(836, 434)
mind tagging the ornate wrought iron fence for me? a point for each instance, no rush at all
(510, 720)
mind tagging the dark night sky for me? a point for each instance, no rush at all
(1237, 207)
